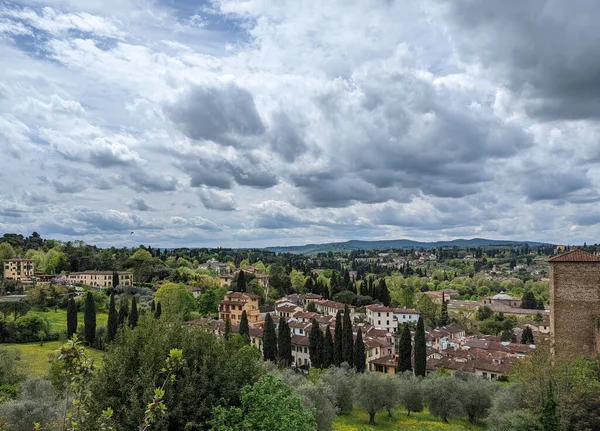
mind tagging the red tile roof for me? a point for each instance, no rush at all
(575, 255)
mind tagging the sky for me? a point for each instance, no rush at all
(249, 123)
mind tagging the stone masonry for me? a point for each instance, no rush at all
(575, 304)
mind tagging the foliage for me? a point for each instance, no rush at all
(316, 343)
(337, 345)
(89, 319)
(269, 340)
(405, 350)
(347, 339)
(359, 357)
(444, 396)
(133, 314)
(548, 413)
(516, 420)
(328, 348)
(175, 300)
(420, 349)
(284, 344)
(319, 398)
(244, 329)
(368, 395)
(527, 336)
(342, 382)
(411, 393)
(113, 319)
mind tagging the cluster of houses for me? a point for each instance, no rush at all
(447, 347)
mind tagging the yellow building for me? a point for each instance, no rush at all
(18, 269)
(101, 278)
(235, 303)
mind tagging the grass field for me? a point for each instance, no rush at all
(358, 420)
(58, 319)
(35, 359)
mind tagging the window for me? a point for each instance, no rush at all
(378, 314)
(305, 350)
(485, 375)
(387, 322)
(379, 322)
(404, 316)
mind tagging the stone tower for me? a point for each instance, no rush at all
(575, 304)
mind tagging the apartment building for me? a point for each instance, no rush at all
(235, 303)
(18, 269)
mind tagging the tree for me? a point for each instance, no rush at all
(315, 349)
(240, 285)
(390, 385)
(411, 393)
(112, 325)
(337, 346)
(175, 300)
(528, 301)
(342, 381)
(244, 329)
(515, 420)
(444, 319)
(383, 293)
(227, 329)
(477, 396)
(360, 358)
(123, 313)
(548, 413)
(368, 394)
(405, 350)
(347, 339)
(269, 340)
(420, 349)
(208, 303)
(527, 336)
(328, 349)
(71, 317)
(89, 319)
(158, 311)
(284, 344)
(319, 397)
(484, 313)
(115, 278)
(311, 307)
(133, 315)
(6, 251)
(444, 397)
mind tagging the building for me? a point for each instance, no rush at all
(381, 317)
(100, 278)
(300, 351)
(18, 269)
(502, 299)
(219, 267)
(575, 304)
(330, 308)
(235, 303)
(406, 315)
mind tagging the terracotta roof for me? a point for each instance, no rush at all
(575, 255)
(387, 361)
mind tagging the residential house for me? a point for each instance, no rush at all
(330, 308)
(406, 315)
(502, 299)
(300, 351)
(101, 279)
(235, 303)
(381, 317)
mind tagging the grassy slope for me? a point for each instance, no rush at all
(35, 359)
(58, 319)
(358, 420)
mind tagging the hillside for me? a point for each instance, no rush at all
(391, 244)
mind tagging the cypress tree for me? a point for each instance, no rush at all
(383, 293)
(269, 340)
(113, 319)
(315, 342)
(123, 313)
(420, 349)
(337, 345)
(244, 330)
(89, 319)
(527, 336)
(548, 416)
(71, 317)
(360, 356)
(347, 339)
(227, 328)
(445, 319)
(240, 286)
(158, 311)
(133, 315)
(405, 351)
(152, 306)
(328, 349)
(115, 278)
(346, 283)
(309, 285)
(284, 344)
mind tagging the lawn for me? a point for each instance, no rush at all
(58, 319)
(35, 359)
(358, 420)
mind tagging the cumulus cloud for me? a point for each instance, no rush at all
(217, 200)
(139, 204)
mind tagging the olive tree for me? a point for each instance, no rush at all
(368, 394)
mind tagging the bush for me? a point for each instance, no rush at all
(342, 381)
(517, 420)
(444, 397)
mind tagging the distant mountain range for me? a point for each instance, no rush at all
(393, 243)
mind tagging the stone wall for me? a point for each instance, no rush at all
(574, 304)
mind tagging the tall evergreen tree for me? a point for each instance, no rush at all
(444, 319)
(315, 345)
(360, 356)
(227, 328)
(244, 330)
(284, 344)
(158, 311)
(133, 315)
(71, 317)
(548, 414)
(420, 349)
(527, 336)
(153, 306)
(112, 325)
(269, 340)
(346, 281)
(123, 313)
(309, 285)
(405, 351)
(115, 278)
(383, 294)
(89, 319)
(328, 349)
(240, 285)
(347, 339)
(337, 345)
